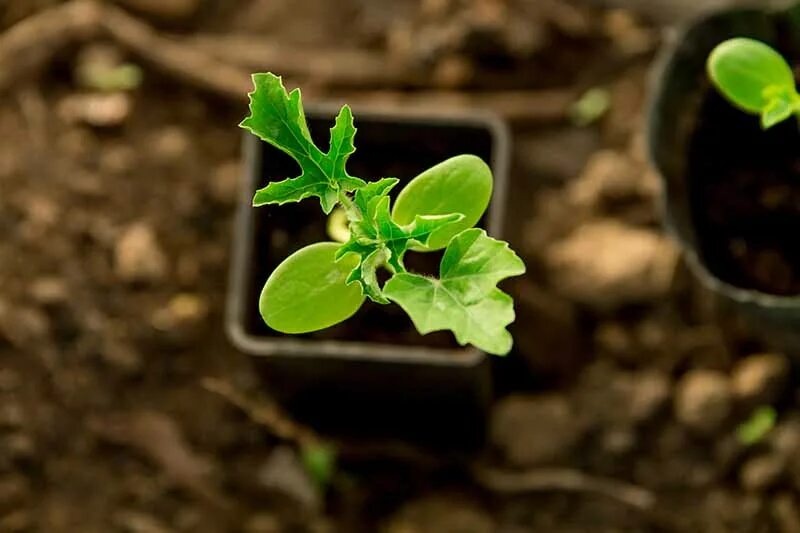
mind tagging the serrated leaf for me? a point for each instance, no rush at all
(400, 238)
(366, 273)
(380, 241)
(277, 117)
(365, 199)
(465, 298)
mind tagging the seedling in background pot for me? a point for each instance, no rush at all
(755, 78)
(326, 283)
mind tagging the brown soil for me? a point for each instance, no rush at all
(619, 406)
(745, 198)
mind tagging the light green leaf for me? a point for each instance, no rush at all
(399, 238)
(309, 292)
(755, 428)
(277, 117)
(319, 461)
(748, 72)
(366, 273)
(366, 199)
(461, 184)
(775, 112)
(379, 241)
(464, 299)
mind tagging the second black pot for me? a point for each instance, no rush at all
(697, 141)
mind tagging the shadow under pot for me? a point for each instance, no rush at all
(372, 376)
(732, 190)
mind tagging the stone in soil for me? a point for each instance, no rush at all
(762, 472)
(439, 514)
(760, 379)
(703, 400)
(138, 257)
(607, 264)
(532, 430)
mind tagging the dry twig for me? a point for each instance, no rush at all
(563, 479)
(264, 412)
(223, 64)
(29, 44)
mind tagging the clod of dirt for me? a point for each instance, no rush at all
(95, 109)
(49, 291)
(224, 183)
(436, 514)
(22, 326)
(650, 391)
(760, 379)
(606, 397)
(182, 311)
(283, 472)
(138, 257)
(608, 264)
(785, 437)
(170, 144)
(762, 472)
(611, 180)
(628, 34)
(703, 400)
(532, 430)
(138, 522)
(14, 491)
(263, 523)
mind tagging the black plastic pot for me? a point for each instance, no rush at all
(681, 94)
(372, 376)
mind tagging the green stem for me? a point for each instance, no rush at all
(350, 208)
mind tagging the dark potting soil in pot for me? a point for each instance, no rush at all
(400, 150)
(745, 197)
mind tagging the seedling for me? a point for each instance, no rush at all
(757, 426)
(327, 282)
(755, 78)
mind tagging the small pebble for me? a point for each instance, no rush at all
(138, 255)
(762, 472)
(760, 379)
(703, 400)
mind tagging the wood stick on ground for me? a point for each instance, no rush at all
(333, 66)
(31, 43)
(169, 55)
(263, 412)
(563, 479)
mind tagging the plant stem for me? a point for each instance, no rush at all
(350, 208)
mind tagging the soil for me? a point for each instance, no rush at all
(745, 198)
(614, 413)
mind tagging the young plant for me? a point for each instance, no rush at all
(755, 78)
(325, 283)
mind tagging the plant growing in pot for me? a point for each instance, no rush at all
(324, 283)
(732, 181)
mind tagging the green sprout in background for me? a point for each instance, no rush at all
(325, 283)
(757, 426)
(755, 78)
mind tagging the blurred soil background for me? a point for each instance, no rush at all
(124, 408)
